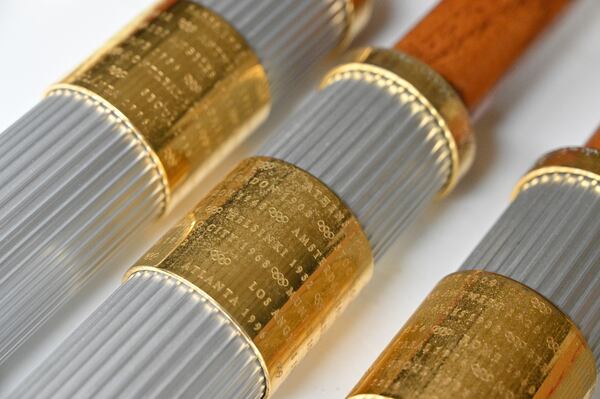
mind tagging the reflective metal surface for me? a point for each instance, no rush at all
(188, 84)
(398, 128)
(481, 335)
(276, 251)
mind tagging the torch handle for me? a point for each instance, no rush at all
(473, 43)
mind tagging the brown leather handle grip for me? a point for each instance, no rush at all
(594, 141)
(472, 43)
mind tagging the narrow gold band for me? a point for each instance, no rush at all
(581, 163)
(183, 80)
(429, 88)
(276, 250)
(482, 335)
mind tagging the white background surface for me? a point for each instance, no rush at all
(551, 99)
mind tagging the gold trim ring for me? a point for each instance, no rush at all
(431, 90)
(580, 162)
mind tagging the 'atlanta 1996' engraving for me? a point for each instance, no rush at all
(277, 250)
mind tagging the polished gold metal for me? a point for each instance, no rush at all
(398, 71)
(582, 164)
(185, 81)
(358, 14)
(276, 250)
(482, 335)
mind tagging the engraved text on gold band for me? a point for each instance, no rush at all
(481, 335)
(276, 250)
(184, 79)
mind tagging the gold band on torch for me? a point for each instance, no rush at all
(274, 249)
(482, 335)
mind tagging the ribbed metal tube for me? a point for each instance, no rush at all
(153, 338)
(548, 240)
(288, 36)
(380, 150)
(74, 184)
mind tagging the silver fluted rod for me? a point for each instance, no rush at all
(73, 185)
(354, 136)
(140, 329)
